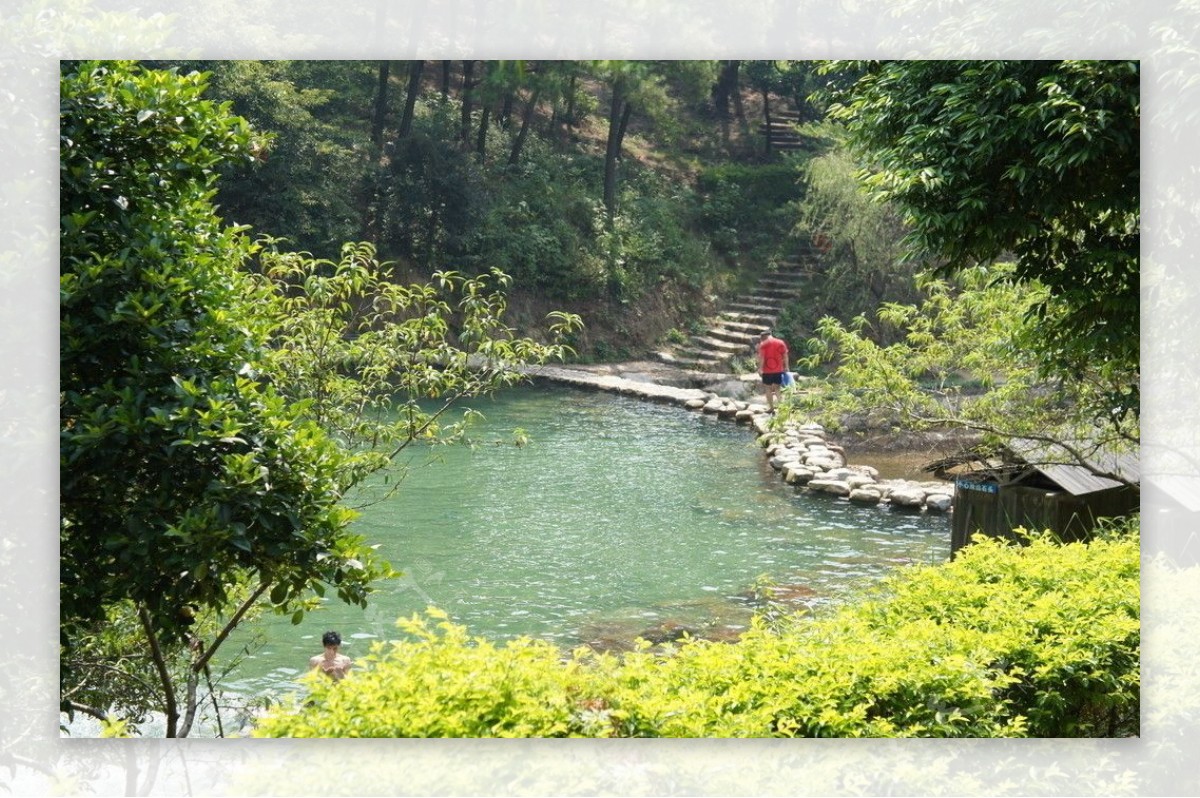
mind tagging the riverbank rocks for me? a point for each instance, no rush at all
(835, 486)
(939, 502)
(796, 474)
(808, 460)
(865, 496)
(801, 453)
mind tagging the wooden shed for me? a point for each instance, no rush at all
(1031, 487)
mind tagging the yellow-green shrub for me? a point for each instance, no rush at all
(1035, 640)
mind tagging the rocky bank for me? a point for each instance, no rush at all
(801, 453)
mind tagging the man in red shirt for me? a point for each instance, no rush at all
(772, 363)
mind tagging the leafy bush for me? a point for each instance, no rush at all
(538, 224)
(307, 185)
(1006, 641)
(746, 209)
(432, 194)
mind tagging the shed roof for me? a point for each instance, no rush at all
(1058, 465)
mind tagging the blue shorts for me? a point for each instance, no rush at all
(772, 378)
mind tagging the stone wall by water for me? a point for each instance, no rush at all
(801, 453)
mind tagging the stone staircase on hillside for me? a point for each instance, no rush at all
(781, 132)
(734, 331)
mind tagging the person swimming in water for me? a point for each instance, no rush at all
(332, 663)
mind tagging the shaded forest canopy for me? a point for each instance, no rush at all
(633, 193)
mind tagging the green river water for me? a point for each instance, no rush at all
(618, 518)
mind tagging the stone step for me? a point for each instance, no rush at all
(790, 288)
(717, 345)
(709, 359)
(766, 299)
(796, 279)
(758, 320)
(742, 337)
(799, 273)
(747, 328)
(768, 293)
(791, 273)
(756, 309)
(699, 365)
(681, 361)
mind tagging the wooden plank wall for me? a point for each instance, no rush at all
(997, 514)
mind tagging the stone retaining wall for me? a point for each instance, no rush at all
(802, 454)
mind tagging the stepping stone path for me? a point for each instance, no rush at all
(734, 332)
(805, 458)
(801, 453)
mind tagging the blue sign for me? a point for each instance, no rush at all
(981, 487)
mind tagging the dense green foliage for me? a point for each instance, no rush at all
(379, 364)
(182, 473)
(747, 209)
(213, 418)
(963, 357)
(961, 337)
(863, 259)
(1040, 159)
(307, 184)
(577, 178)
(1006, 641)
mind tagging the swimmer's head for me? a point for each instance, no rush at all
(331, 639)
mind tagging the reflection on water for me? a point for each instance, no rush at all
(618, 518)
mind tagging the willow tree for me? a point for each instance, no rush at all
(863, 260)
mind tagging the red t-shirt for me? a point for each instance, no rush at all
(773, 352)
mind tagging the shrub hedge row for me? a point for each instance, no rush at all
(1039, 640)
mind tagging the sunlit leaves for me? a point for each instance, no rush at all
(185, 476)
(1039, 159)
(379, 363)
(959, 358)
(1040, 640)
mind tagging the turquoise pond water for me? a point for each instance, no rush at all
(618, 518)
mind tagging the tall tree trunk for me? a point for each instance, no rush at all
(621, 128)
(445, 80)
(466, 94)
(571, 105)
(415, 68)
(481, 142)
(506, 109)
(554, 128)
(380, 111)
(612, 151)
(735, 88)
(526, 119)
(725, 90)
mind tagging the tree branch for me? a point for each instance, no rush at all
(230, 625)
(96, 713)
(164, 675)
(1078, 458)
